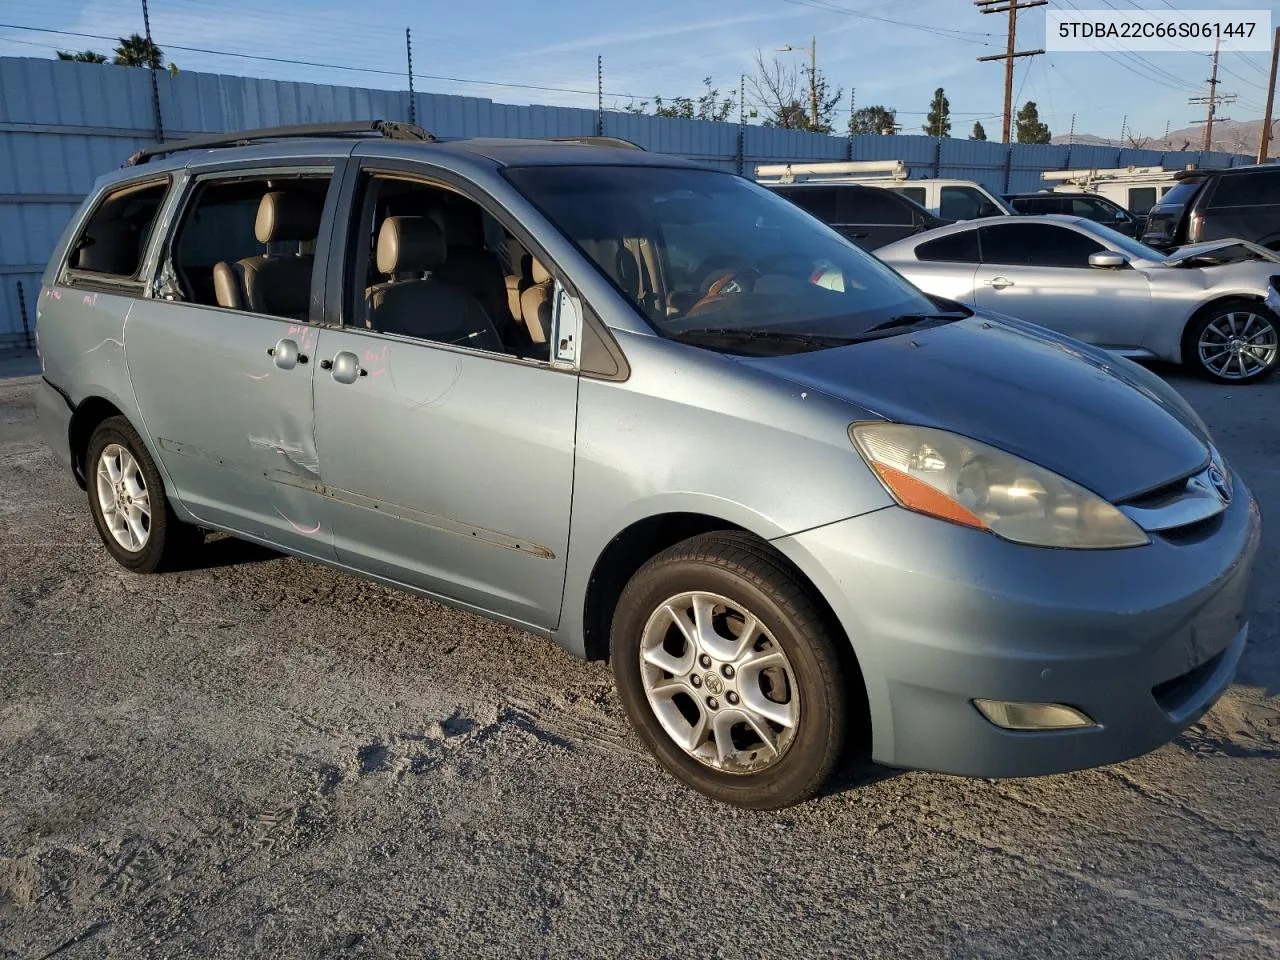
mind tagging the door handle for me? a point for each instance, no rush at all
(345, 367)
(286, 354)
(999, 282)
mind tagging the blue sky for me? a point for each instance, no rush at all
(666, 47)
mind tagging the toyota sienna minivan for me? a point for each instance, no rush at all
(665, 418)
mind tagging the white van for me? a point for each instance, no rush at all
(949, 199)
(1137, 189)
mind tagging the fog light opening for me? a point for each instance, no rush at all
(1013, 715)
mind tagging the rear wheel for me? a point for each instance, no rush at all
(128, 503)
(729, 670)
(1237, 341)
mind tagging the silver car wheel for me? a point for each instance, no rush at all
(719, 683)
(123, 497)
(1239, 345)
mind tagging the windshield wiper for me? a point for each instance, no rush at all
(815, 341)
(914, 320)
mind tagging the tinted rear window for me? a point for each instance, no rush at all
(1247, 190)
(959, 247)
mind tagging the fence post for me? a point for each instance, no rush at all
(742, 124)
(1008, 166)
(599, 95)
(408, 49)
(22, 311)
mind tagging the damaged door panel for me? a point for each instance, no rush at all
(448, 470)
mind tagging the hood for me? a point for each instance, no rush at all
(1048, 399)
(1217, 252)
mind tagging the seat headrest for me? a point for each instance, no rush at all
(461, 227)
(538, 272)
(287, 217)
(409, 244)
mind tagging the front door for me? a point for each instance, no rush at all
(1040, 272)
(447, 467)
(225, 391)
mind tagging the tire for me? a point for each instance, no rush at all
(729, 577)
(1256, 355)
(118, 458)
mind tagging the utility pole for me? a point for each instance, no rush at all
(1265, 140)
(813, 77)
(155, 87)
(1213, 99)
(1011, 7)
(408, 49)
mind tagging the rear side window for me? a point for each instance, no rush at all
(819, 201)
(1141, 199)
(959, 247)
(1092, 209)
(912, 193)
(114, 239)
(1036, 245)
(1247, 190)
(871, 205)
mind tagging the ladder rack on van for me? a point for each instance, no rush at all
(836, 170)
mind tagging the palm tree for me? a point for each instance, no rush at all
(138, 51)
(84, 56)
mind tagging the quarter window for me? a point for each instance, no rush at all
(959, 247)
(115, 238)
(1036, 245)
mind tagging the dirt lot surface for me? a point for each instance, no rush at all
(262, 757)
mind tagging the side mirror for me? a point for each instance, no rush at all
(1108, 260)
(1121, 217)
(987, 209)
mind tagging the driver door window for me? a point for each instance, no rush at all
(1036, 245)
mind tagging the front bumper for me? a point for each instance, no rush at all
(1143, 641)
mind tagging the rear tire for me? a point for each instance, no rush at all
(128, 502)
(729, 668)
(1235, 341)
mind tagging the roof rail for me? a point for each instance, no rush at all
(618, 142)
(390, 129)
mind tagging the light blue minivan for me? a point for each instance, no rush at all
(664, 417)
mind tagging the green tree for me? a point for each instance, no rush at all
(84, 56)
(939, 120)
(1030, 128)
(783, 96)
(709, 106)
(873, 119)
(979, 132)
(137, 51)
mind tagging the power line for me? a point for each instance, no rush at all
(327, 66)
(947, 32)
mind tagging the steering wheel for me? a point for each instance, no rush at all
(724, 285)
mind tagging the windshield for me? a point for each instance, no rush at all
(1136, 249)
(714, 259)
(1180, 193)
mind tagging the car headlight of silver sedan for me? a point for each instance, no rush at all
(962, 481)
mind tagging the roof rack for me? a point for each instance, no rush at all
(390, 129)
(618, 142)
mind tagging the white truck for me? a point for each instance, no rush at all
(949, 199)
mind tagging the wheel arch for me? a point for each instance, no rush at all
(643, 539)
(1208, 307)
(88, 413)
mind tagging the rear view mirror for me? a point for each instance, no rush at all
(1108, 260)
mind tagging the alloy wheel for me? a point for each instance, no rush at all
(123, 497)
(1239, 345)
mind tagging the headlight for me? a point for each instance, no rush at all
(962, 481)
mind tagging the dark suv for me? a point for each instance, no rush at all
(1087, 205)
(869, 216)
(1239, 202)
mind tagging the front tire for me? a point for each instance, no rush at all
(728, 667)
(128, 502)
(1237, 341)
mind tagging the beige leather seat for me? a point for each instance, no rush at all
(468, 264)
(275, 284)
(535, 302)
(415, 305)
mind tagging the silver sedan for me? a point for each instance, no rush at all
(1215, 306)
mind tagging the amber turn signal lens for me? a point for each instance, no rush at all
(919, 496)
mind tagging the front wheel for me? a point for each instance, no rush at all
(729, 669)
(1235, 342)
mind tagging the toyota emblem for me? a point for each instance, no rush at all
(1220, 483)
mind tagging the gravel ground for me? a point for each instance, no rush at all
(262, 757)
